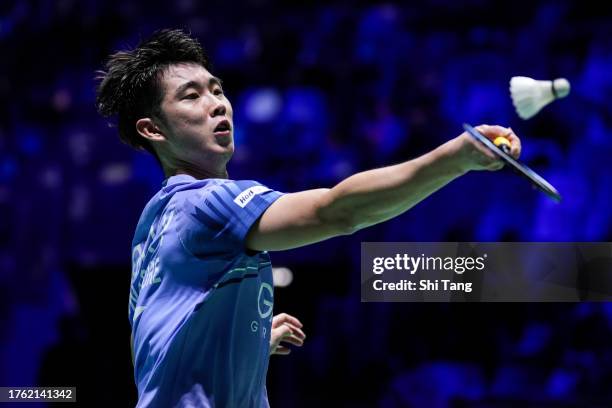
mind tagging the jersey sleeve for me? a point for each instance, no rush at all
(221, 216)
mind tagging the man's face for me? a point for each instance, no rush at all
(198, 123)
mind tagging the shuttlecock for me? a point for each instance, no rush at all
(529, 95)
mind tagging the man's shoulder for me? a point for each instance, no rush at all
(210, 193)
(225, 189)
(190, 184)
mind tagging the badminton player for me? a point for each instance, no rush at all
(201, 297)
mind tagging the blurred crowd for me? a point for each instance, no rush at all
(320, 91)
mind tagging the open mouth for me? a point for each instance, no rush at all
(223, 127)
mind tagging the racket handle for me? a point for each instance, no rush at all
(503, 144)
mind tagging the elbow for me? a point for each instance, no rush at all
(340, 219)
(340, 222)
(349, 222)
(346, 226)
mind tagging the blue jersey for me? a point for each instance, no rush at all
(201, 302)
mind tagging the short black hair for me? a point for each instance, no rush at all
(130, 87)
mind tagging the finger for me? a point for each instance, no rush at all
(482, 128)
(296, 330)
(280, 332)
(497, 165)
(515, 144)
(282, 350)
(293, 340)
(500, 130)
(511, 137)
(482, 154)
(285, 318)
(492, 132)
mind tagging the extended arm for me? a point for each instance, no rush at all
(373, 196)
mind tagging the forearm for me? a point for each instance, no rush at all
(374, 196)
(367, 198)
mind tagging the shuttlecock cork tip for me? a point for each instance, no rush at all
(561, 88)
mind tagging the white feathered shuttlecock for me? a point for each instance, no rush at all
(529, 95)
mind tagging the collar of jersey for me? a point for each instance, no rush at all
(179, 178)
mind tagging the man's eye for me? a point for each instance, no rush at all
(191, 96)
(218, 91)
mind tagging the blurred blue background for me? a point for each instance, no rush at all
(321, 89)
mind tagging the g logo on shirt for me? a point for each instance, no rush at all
(265, 300)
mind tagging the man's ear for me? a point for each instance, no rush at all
(149, 130)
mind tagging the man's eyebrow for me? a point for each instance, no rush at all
(215, 80)
(196, 84)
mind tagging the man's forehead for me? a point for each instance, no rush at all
(177, 74)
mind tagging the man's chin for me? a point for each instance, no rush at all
(224, 139)
(227, 151)
(215, 150)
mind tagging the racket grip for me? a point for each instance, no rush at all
(503, 144)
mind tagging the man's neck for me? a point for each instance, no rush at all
(197, 173)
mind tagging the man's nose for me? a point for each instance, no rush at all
(218, 110)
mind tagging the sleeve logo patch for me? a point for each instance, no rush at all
(247, 195)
